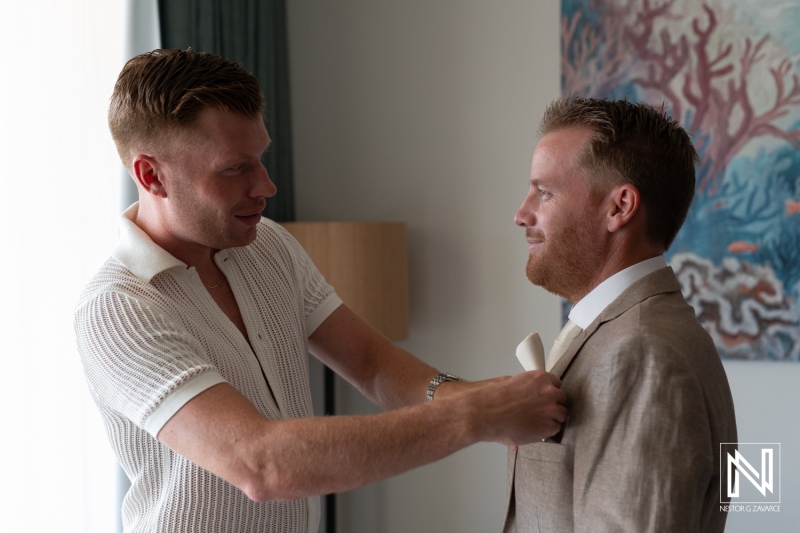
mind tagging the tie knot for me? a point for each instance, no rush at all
(569, 332)
(562, 342)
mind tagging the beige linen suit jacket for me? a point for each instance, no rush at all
(649, 404)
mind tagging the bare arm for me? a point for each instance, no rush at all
(382, 371)
(379, 369)
(223, 432)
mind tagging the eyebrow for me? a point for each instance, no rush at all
(237, 159)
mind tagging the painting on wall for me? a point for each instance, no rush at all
(727, 70)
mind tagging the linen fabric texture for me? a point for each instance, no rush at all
(151, 337)
(649, 404)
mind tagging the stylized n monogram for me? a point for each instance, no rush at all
(761, 481)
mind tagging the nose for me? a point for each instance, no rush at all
(525, 214)
(264, 185)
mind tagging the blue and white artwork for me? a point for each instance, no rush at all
(727, 70)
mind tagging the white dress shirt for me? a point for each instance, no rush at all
(585, 311)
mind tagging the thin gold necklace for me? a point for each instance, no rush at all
(217, 284)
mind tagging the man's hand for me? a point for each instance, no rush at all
(223, 432)
(516, 410)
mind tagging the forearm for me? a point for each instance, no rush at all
(221, 431)
(279, 460)
(382, 371)
(401, 380)
(333, 454)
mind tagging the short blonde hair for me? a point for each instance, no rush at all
(158, 96)
(634, 143)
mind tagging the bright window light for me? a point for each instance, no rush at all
(58, 210)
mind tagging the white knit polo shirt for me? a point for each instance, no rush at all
(151, 338)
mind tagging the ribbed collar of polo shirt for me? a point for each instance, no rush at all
(585, 311)
(137, 251)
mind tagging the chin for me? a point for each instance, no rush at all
(249, 237)
(235, 240)
(534, 271)
(546, 279)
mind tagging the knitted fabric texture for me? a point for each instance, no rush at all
(148, 346)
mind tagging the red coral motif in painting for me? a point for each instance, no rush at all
(728, 71)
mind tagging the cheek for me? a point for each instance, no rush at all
(218, 193)
(561, 224)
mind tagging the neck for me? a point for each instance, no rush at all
(616, 260)
(193, 254)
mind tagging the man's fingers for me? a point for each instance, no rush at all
(560, 414)
(527, 407)
(554, 379)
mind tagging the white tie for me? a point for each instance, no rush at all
(562, 342)
(530, 352)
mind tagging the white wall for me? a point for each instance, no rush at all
(425, 112)
(767, 398)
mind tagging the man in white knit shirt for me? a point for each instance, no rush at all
(194, 335)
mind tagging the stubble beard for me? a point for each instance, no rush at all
(567, 264)
(210, 227)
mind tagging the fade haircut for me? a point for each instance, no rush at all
(159, 94)
(635, 144)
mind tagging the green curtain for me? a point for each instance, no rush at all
(253, 33)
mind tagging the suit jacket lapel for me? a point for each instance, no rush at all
(660, 281)
(512, 467)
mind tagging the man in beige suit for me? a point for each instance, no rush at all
(649, 402)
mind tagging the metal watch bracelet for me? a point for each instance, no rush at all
(438, 380)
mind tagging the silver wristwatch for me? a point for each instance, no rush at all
(438, 380)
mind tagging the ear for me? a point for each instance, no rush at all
(623, 204)
(148, 174)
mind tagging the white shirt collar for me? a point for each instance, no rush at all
(585, 311)
(137, 251)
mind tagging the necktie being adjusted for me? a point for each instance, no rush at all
(562, 342)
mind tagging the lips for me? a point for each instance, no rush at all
(250, 220)
(251, 217)
(534, 238)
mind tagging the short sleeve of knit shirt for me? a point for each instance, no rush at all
(150, 339)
